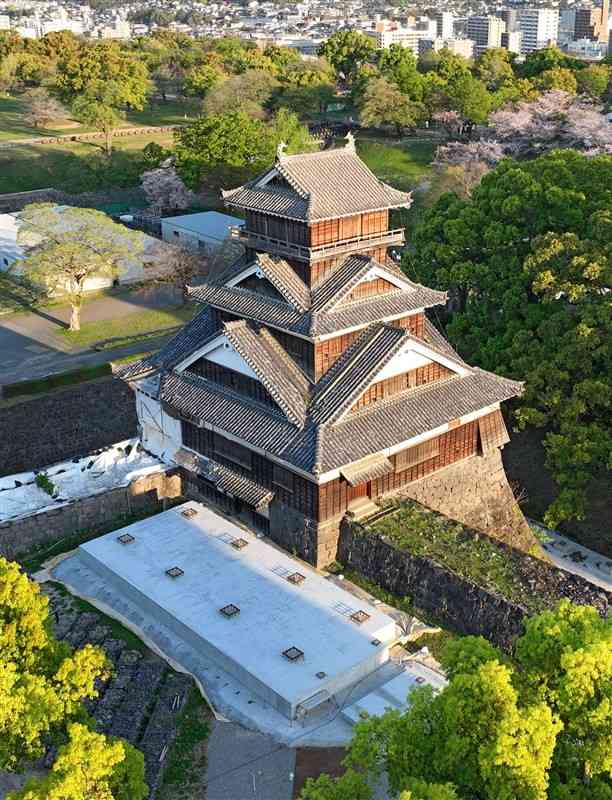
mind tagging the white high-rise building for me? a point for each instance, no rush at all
(387, 33)
(459, 47)
(486, 32)
(445, 22)
(5, 22)
(539, 26)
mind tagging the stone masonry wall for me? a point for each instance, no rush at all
(476, 492)
(461, 603)
(146, 494)
(65, 424)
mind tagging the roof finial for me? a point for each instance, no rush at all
(350, 141)
(280, 150)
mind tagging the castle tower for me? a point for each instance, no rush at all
(312, 384)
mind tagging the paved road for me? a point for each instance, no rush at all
(245, 765)
(32, 346)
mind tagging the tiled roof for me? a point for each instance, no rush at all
(326, 313)
(225, 479)
(323, 440)
(348, 378)
(327, 184)
(277, 371)
(285, 280)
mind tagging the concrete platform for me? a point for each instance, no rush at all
(331, 651)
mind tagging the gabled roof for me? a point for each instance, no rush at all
(283, 278)
(285, 382)
(326, 313)
(317, 186)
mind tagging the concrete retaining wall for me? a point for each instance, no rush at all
(456, 601)
(147, 494)
(65, 424)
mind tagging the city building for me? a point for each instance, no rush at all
(486, 32)
(312, 384)
(592, 23)
(539, 26)
(445, 25)
(387, 33)
(460, 47)
(512, 41)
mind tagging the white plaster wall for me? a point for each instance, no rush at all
(161, 433)
(403, 362)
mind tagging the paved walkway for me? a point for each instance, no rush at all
(573, 557)
(32, 346)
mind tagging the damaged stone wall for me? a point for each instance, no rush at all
(476, 492)
(144, 495)
(65, 424)
(458, 602)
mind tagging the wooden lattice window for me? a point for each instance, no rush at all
(493, 432)
(416, 455)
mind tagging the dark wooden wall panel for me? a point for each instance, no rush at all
(429, 373)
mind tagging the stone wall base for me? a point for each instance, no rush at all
(476, 492)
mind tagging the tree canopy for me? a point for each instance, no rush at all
(66, 246)
(536, 728)
(528, 259)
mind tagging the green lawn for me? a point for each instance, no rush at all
(13, 126)
(75, 166)
(131, 326)
(401, 165)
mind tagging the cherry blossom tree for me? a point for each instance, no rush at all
(165, 190)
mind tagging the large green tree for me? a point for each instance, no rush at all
(536, 728)
(346, 51)
(67, 246)
(384, 104)
(528, 262)
(42, 681)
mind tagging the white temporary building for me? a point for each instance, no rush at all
(204, 231)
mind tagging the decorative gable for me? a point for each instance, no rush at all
(221, 351)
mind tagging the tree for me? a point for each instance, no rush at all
(41, 107)
(500, 729)
(287, 128)
(90, 766)
(556, 119)
(559, 78)
(470, 98)
(494, 68)
(247, 93)
(545, 59)
(527, 259)
(100, 64)
(202, 79)
(165, 191)
(384, 104)
(42, 682)
(222, 147)
(346, 51)
(399, 66)
(67, 246)
(594, 80)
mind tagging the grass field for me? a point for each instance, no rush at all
(74, 166)
(13, 126)
(131, 325)
(401, 165)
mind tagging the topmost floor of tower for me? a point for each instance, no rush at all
(313, 207)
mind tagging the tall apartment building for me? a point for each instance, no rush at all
(539, 26)
(592, 23)
(445, 22)
(459, 47)
(486, 32)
